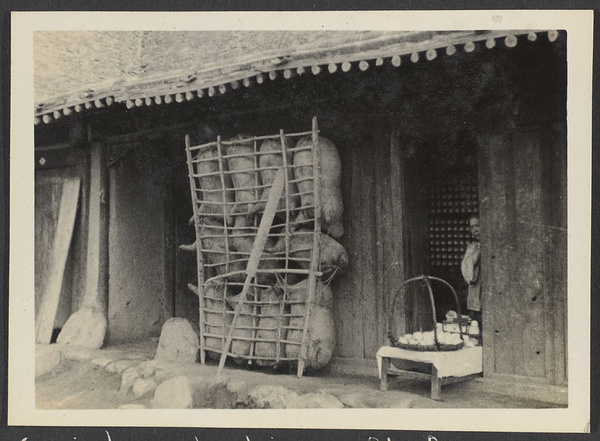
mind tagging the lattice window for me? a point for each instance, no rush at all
(452, 202)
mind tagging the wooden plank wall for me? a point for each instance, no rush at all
(523, 217)
(555, 252)
(386, 242)
(60, 164)
(352, 305)
(415, 237)
(54, 277)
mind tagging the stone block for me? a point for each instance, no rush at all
(86, 327)
(178, 342)
(148, 368)
(175, 393)
(237, 387)
(266, 396)
(315, 401)
(128, 378)
(360, 401)
(143, 386)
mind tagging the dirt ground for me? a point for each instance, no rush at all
(80, 385)
(80, 382)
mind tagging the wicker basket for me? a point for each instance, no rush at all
(437, 346)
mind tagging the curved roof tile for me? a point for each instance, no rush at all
(150, 68)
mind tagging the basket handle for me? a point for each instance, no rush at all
(427, 280)
(391, 335)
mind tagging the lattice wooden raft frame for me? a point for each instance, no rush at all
(255, 316)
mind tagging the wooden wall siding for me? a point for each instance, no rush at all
(386, 239)
(65, 164)
(140, 284)
(496, 253)
(393, 232)
(555, 262)
(523, 290)
(355, 292)
(416, 244)
(348, 292)
(48, 192)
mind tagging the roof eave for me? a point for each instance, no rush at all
(180, 86)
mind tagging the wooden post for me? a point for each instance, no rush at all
(436, 384)
(96, 280)
(385, 367)
(88, 326)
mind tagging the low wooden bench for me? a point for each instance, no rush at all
(446, 367)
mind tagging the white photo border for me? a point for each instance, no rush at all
(21, 387)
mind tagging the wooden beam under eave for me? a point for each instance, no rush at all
(96, 291)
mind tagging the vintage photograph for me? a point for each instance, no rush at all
(300, 219)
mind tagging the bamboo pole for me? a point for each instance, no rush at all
(257, 138)
(312, 279)
(199, 257)
(255, 194)
(287, 234)
(255, 255)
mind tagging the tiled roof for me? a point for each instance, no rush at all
(86, 70)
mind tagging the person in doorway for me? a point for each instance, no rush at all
(471, 271)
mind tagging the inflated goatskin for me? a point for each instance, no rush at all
(243, 173)
(333, 258)
(321, 328)
(243, 329)
(272, 160)
(242, 238)
(213, 201)
(217, 322)
(331, 205)
(271, 326)
(213, 239)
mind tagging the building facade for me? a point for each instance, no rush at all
(431, 127)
